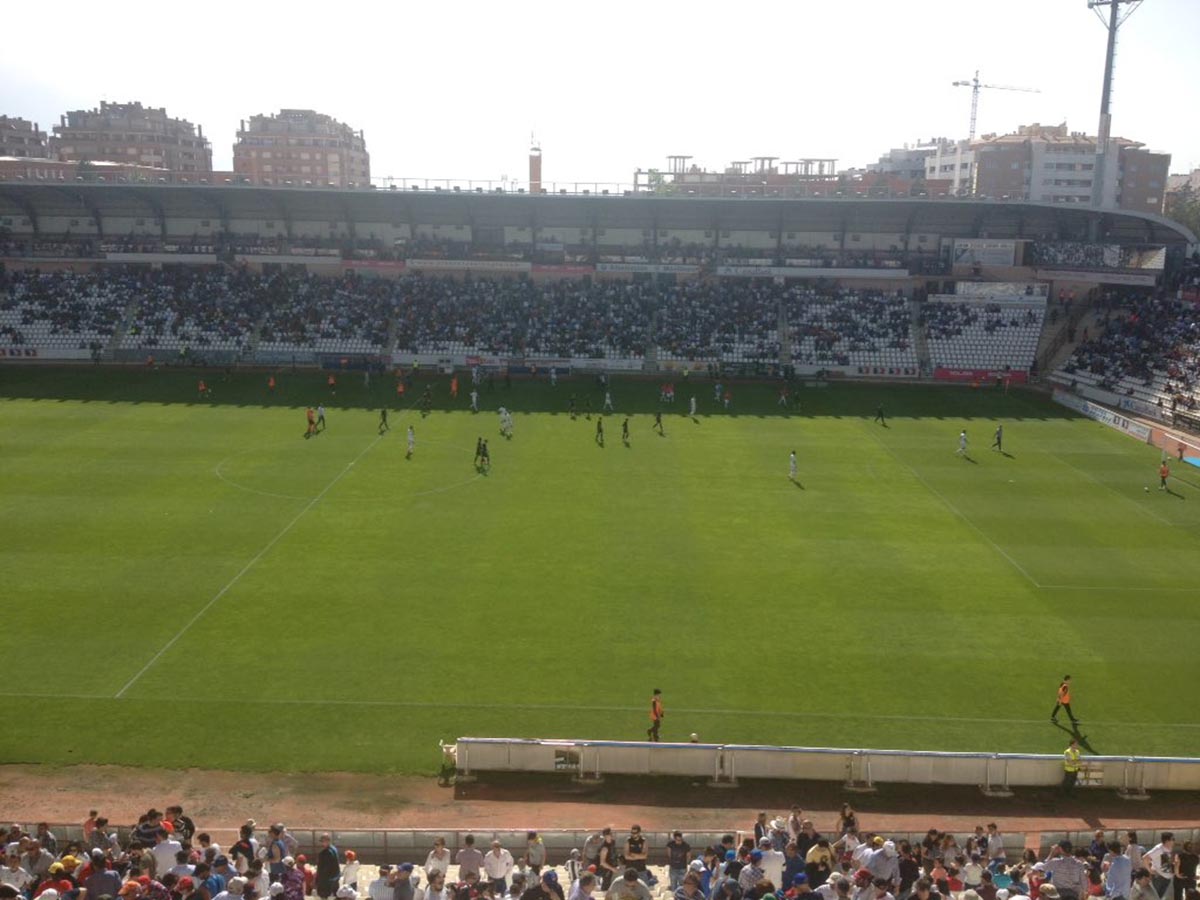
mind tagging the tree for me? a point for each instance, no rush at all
(1183, 206)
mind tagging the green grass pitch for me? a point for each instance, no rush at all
(195, 584)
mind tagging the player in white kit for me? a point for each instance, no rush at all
(412, 442)
(792, 466)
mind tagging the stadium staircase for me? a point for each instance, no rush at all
(785, 338)
(389, 346)
(650, 361)
(118, 335)
(1056, 346)
(919, 341)
(254, 338)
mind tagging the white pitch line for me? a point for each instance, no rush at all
(1094, 480)
(246, 568)
(954, 509)
(564, 707)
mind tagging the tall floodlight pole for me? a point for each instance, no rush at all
(1114, 22)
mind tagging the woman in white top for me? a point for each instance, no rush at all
(438, 859)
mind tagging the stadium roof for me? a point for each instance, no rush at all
(955, 218)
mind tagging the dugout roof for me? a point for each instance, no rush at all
(953, 218)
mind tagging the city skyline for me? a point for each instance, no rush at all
(442, 98)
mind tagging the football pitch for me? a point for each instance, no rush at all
(194, 583)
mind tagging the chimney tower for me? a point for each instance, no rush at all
(535, 166)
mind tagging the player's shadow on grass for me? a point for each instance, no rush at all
(1006, 454)
(1073, 731)
(798, 484)
(973, 462)
(1177, 496)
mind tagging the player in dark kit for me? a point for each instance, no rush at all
(658, 423)
(485, 459)
(600, 432)
(998, 440)
(571, 406)
(383, 423)
(879, 417)
(478, 451)
(625, 431)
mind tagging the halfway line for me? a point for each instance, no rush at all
(246, 568)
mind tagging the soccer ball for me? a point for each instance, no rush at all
(1146, 489)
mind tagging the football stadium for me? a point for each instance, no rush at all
(824, 514)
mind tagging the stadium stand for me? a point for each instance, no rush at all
(202, 309)
(850, 328)
(733, 324)
(62, 311)
(982, 335)
(1149, 349)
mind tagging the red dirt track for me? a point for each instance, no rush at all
(219, 801)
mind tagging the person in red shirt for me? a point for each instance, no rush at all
(332, 382)
(203, 390)
(1164, 472)
(271, 384)
(312, 422)
(454, 388)
(310, 874)
(400, 389)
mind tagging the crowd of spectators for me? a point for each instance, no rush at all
(165, 857)
(946, 320)
(1081, 255)
(199, 309)
(62, 308)
(735, 322)
(345, 314)
(1154, 342)
(846, 327)
(509, 316)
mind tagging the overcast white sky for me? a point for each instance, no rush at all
(454, 89)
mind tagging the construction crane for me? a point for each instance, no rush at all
(974, 85)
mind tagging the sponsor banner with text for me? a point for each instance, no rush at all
(1103, 414)
(942, 373)
(375, 265)
(471, 265)
(1097, 277)
(648, 268)
(563, 270)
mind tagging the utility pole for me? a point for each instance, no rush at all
(1104, 131)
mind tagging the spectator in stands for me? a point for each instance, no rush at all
(329, 868)
(438, 859)
(678, 857)
(380, 888)
(498, 866)
(628, 887)
(401, 881)
(468, 858)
